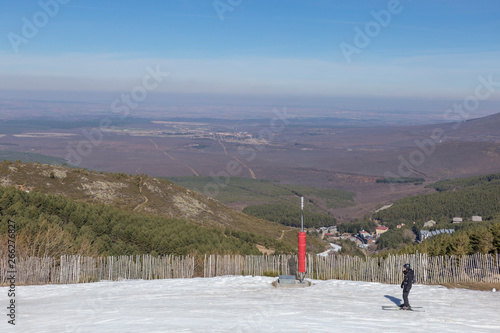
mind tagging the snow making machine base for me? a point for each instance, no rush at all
(289, 281)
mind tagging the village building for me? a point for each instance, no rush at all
(355, 240)
(332, 230)
(364, 234)
(380, 230)
(430, 223)
(369, 240)
(424, 234)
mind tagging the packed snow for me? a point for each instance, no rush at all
(335, 248)
(246, 304)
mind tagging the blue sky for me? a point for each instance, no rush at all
(429, 49)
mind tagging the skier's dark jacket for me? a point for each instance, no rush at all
(408, 279)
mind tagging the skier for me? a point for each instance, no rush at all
(407, 283)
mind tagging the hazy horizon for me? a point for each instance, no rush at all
(387, 55)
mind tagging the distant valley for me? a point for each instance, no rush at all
(313, 152)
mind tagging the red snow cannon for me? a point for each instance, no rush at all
(302, 252)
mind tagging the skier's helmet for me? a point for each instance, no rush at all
(406, 266)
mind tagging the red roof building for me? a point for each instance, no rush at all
(380, 230)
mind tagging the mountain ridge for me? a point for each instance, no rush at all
(138, 194)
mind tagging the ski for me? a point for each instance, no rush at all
(397, 308)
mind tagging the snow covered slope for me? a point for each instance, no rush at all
(246, 304)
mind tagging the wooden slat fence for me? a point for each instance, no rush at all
(428, 270)
(78, 269)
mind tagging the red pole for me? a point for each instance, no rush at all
(302, 252)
